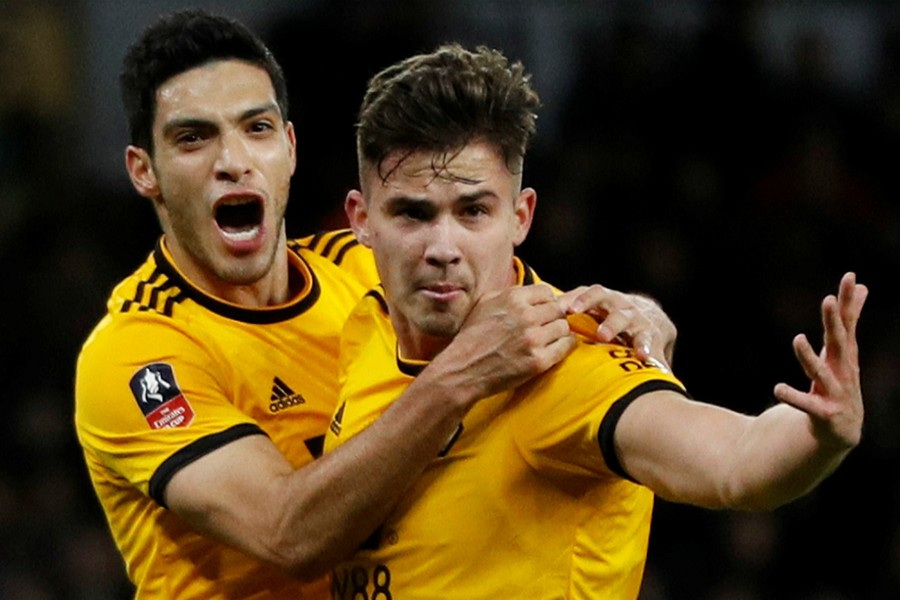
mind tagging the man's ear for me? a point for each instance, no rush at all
(292, 143)
(140, 170)
(358, 215)
(524, 213)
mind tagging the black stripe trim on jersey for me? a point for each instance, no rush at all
(192, 452)
(154, 298)
(528, 275)
(331, 239)
(170, 302)
(410, 369)
(337, 237)
(141, 286)
(340, 255)
(379, 297)
(606, 434)
(254, 316)
(171, 299)
(313, 241)
(156, 289)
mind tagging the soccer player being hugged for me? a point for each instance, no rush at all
(545, 490)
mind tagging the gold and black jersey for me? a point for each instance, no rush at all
(527, 499)
(171, 373)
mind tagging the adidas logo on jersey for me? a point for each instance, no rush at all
(283, 397)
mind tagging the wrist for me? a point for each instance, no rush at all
(452, 384)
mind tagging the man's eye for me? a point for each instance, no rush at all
(416, 214)
(261, 126)
(474, 210)
(411, 211)
(189, 138)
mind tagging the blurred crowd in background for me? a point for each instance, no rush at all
(731, 159)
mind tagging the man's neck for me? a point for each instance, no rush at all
(421, 347)
(276, 287)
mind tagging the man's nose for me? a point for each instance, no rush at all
(234, 159)
(442, 246)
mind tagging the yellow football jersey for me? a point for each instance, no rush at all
(527, 500)
(171, 373)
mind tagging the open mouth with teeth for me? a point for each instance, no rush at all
(240, 221)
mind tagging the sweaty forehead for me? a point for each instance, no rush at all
(217, 87)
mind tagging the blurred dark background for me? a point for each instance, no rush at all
(731, 159)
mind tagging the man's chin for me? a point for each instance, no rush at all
(441, 327)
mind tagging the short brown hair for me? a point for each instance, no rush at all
(441, 101)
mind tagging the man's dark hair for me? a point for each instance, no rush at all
(176, 43)
(441, 101)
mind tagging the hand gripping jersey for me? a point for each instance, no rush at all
(526, 501)
(171, 374)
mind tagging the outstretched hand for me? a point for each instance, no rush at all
(637, 321)
(834, 400)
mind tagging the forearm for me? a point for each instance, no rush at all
(340, 499)
(705, 455)
(305, 520)
(780, 458)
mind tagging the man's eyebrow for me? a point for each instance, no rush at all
(187, 123)
(400, 202)
(258, 110)
(200, 123)
(404, 201)
(476, 196)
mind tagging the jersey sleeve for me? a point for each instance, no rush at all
(571, 413)
(150, 398)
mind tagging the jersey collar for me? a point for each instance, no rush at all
(300, 303)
